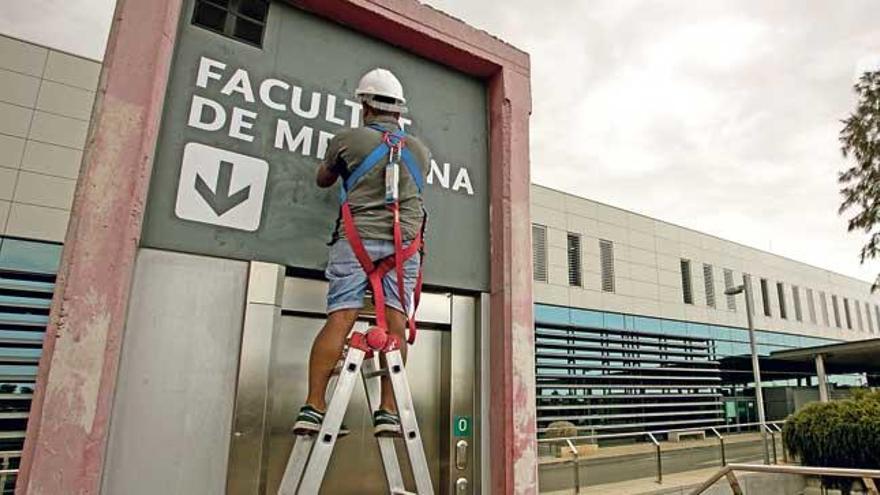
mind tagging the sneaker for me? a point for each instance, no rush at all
(386, 424)
(308, 422)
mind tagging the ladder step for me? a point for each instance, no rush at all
(374, 374)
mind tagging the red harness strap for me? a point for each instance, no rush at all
(376, 271)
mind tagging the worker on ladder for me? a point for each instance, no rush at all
(365, 235)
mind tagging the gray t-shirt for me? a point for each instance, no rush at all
(372, 217)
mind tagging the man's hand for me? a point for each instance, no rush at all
(325, 177)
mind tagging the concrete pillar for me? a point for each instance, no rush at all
(823, 381)
(66, 441)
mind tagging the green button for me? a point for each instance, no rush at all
(461, 426)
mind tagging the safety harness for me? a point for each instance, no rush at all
(393, 147)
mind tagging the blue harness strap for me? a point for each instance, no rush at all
(375, 157)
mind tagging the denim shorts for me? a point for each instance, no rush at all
(348, 281)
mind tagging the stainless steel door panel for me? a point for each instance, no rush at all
(355, 467)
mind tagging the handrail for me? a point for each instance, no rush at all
(651, 436)
(659, 458)
(655, 432)
(866, 475)
(576, 463)
(721, 440)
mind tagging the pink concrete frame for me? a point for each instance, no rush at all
(70, 415)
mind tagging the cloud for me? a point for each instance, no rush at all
(76, 26)
(721, 116)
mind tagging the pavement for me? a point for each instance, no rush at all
(632, 469)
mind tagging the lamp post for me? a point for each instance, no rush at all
(756, 367)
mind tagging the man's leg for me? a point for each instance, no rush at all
(326, 351)
(396, 326)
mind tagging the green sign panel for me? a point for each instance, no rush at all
(244, 129)
(461, 426)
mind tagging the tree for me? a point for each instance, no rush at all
(860, 141)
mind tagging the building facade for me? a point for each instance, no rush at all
(46, 99)
(634, 331)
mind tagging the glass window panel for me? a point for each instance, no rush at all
(248, 31)
(586, 318)
(698, 330)
(674, 327)
(552, 314)
(210, 16)
(614, 321)
(255, 9)
(647, 324)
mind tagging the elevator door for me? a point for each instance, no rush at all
(356, 466)
(440, 371)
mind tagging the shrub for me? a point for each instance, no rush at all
(843, 433)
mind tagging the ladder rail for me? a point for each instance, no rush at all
(322, 449)
(372, 378)
(412, 437)
(310, 456)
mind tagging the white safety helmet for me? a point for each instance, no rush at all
(383, 84)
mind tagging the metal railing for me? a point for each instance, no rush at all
(866, 475)
(771, 427)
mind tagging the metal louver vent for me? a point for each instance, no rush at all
(25, 298)
(709, 282)
(811, 306)
(687, 291)
(728, 284)
(539, 252)
(796, 299)
(575, 276)
(606, 258)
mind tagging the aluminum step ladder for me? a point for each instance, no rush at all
(311, 453)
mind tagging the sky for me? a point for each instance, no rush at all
(717, 115)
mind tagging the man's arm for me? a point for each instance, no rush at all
(326, 176)
(332, 165)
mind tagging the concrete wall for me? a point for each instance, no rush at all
(172, 412)
(647, 255)
(45, 103)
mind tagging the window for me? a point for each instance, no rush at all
(575, 276)
(728, 284)
(709, 282)
(765, 297)
(846, 313)
(780, 293)
(877, 314)
(796, 300)
(823, 302)
(868, 318)
(811, 306)
(687, 291)
(606, 259)
(539, 252)
(836, 309)
(242, 20)
(858, 309)
(747, 280)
